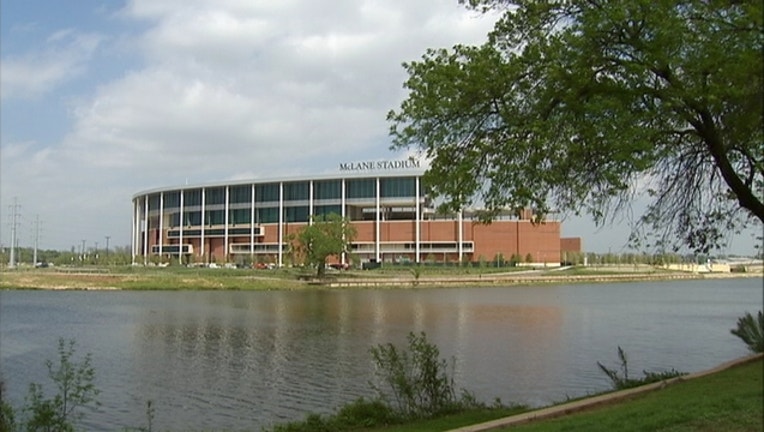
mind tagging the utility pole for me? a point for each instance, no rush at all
(82, 252)
(107, 245)
(14, 240)
(36, 238)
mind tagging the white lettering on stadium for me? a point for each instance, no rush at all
(379, 165)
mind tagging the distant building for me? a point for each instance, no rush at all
(385, 201)
(570, 244)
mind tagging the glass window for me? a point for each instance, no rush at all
(296, 214)
(327, 189)
(239, 216)
(154, 202)
(267, 215)
(192, 198)
(214, 196)
(296, 191)
(215, 217)
(193, 218)
(267, 192)
(328, 209)
(361, 188)
(397, 187)
(172, 199)
(174, 219)
(240, 194)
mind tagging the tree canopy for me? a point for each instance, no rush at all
(585, 105)
(325, 236)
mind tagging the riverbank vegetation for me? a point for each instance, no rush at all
(729, 401)
(751, 331)
(411, 384)
(292, 278)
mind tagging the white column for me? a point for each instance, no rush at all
(281, 224)
(310, 204)
(342, 211)
(342, 200)
(133, 231)
(376, 240)
(252, 223)
(180, 222)
(203, 221)
(225, 221)
(460, 218)
(161, 222)
(146, 229)
(417, 222)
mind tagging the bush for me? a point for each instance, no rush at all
(416, 383)
(75, 389)
(751, 331)
(360, 414)
(365, 414)
(411, 384)
(622, 381)
(7, 416)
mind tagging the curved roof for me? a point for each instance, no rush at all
(402, 172)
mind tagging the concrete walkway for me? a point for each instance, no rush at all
(585, 404)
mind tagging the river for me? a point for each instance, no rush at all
(239, 360)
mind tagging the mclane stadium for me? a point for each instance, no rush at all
(396, 222)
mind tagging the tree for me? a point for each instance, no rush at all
(74, 382)
(586, 105)
(325, 236)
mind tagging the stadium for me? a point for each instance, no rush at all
(396, 222)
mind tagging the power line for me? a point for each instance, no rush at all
(14, 223)
(36, 239)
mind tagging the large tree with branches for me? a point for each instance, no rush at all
(325, 236)
(582, 105)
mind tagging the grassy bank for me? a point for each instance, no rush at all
(183, 278)
(730, 400)
(727, 401)
(149, 278)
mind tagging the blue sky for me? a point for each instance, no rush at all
(101, 100)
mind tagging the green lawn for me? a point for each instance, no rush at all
(730, 401)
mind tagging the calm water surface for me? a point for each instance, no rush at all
(242, 360)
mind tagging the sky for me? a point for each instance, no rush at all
(104, 99)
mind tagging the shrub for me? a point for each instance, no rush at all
(622, 381)
(416, 272)
(363, 413)
(360, 414)
(416, 383)
(75, 389)
(751, 331)
(7, 415)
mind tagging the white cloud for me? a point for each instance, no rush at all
(63, 56)
(224, 89)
